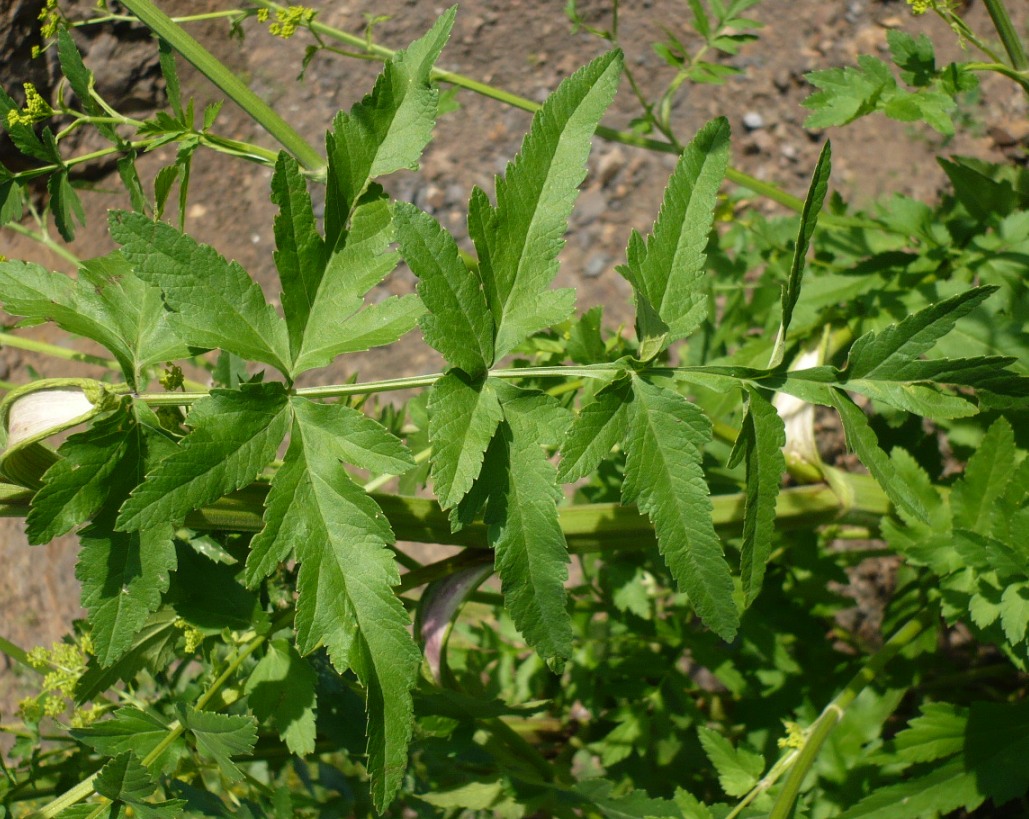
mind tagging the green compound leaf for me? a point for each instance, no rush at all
(281, 691)
(613, 803)
(131, 730)
(808, 220)
(664, 477)
(988, 475)
(668, 271)
(80, 79)
(459, 323)
(463, 415)
(598, 428)
(336, 322)
(220, 737)
(518, 241)
(861, 439)
(345, 585)
(387, 130)
(759, 447)
(893, 353)
(531, 553)
(947, 787)
(300, 253)
(214, 303)
(235, 434)
(738, 770)
(124, 779)
(108, 303)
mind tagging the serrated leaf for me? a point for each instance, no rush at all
(669, 271)
(336, 323)
(346, 600)
(635, 804)
(219, 737)
(523, 527)
(300, 254)
(738, 770)
(598, 428)
(463, 415)
(387, 130)
(281, 690)
(470, 796)
(80, 79)
(12, 200)
(847, 93)
(131, 730)
(883, 355)
(665, 478)
(861, 439)
(215, 304)
(808, 220)
(124, 779)
(123, 575)
(759, 446)
(108, 303)
(458, 323)
(518, 255)
(65, 204)
(946, 788)
(987, 475)
(357, 439)
(235, 434)
(937, 733)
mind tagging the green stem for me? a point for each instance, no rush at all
(52, 350)
(45, 240)
(831, 715)
(16, 653)
(163, 26)
(1008, 36)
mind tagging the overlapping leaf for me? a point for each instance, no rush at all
(598, 428)
(107, 303)
(214, 303)
(665, 478)
(346, 602)
(281, 689)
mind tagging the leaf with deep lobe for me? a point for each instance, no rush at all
(355, 438)
(945, 788)
(214, 302)
(387, 130)
(235, 434)
(531, 553)
(131, 730)
(534, 201)
(669, 271)
(665, 478)
(336, 323)
(124, 779)
(300, 253)
(738, 769)
(108, 303)
(987, 476)
(861, 439)
(920, 399)
(123, 575)
(80, 79)
(759, 446)
(808, 220)
(345, 588)
(220, 737)
(95, 465)
(458, 323)
(463, 415)
(886, 354)
(281, 690)
(598, 428)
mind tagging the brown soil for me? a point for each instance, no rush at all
(521, 46)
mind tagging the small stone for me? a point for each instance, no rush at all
(609, 166)
(595, 265)
(591, 205)
(434, 197)
(790, 152)
(752, 121)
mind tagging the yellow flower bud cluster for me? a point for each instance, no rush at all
(36, 108)
(920, 6)
(63, 663)
(287, 20)
(794, 736)
(50, 18)
(193, 636)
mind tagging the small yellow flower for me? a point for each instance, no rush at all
(794, 736)
(262, 15)
(288, 20)
(920, 6)
(36, 108)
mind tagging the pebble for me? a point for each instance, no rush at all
(752, 121)
(609, 166)
(591, 205)
(595, 265)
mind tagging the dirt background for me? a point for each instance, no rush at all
(523, 46)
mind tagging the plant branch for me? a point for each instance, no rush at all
(1008, 36)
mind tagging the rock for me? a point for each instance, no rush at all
(609, 166)
(595, 265)
(752, 121)
(591, 205)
